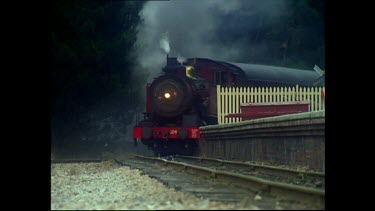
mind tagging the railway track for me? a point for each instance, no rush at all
(76, 160)
(296, 177)
(231, 185)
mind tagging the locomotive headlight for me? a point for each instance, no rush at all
(167, 95)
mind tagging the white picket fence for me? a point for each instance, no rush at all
(230, 98)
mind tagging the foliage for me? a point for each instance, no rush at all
(91, 45)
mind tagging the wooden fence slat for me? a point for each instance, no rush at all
(315, 98)
(254, 95)
(230, 103)
(262, 95)
(218, 103)
(237, 104)
(226, 104)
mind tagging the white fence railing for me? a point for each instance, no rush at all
(230, 98)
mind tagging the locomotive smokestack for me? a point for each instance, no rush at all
(172, 61)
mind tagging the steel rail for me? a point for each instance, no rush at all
(261, 168)
(76, 161)
(278, 189)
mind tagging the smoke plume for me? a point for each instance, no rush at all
(218, 29)
(181, 59)
(164, 44)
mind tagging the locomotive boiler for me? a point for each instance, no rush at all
(183, 98)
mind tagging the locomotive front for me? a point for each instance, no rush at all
(171, 122)
(170, 97)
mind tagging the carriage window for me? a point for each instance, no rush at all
(217, 78)
(221, 78)
(224, 78)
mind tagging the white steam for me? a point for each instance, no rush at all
(181, 59)
(164, 44)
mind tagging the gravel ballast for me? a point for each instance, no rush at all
(107, 185)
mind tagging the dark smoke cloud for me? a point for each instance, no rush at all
(218, 29)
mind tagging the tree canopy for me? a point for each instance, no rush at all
(91, 54)
(91, 48)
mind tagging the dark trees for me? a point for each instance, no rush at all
(91, 58)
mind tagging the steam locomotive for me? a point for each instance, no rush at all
(183, 98)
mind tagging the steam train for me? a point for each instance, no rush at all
(183, 98)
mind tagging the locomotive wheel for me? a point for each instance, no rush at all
(189, 148)
(160, 152)
(147, 133)
(177, 147)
